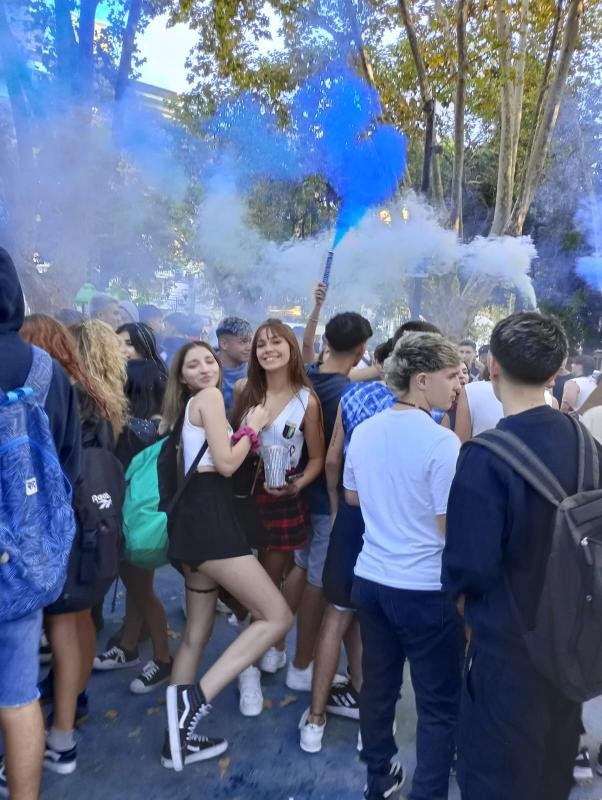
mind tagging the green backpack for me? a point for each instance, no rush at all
(153, 486)
(144, 524)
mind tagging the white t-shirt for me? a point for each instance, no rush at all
(402, 464)
(485, 409)
(586, 386)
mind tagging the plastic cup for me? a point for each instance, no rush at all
(275, 464)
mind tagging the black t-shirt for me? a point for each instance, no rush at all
(329, 386)
(559, 384)
(498, 526)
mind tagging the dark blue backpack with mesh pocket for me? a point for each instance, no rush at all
(37, 523)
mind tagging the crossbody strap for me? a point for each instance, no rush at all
(188, 476)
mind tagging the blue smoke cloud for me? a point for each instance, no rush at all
(335, 131)
(589, 268)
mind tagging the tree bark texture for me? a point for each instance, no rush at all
(431, 164)
(545, 128)
(127, 49)
(504, 186)
(455, 216)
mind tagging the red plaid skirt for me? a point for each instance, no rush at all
(285, 522)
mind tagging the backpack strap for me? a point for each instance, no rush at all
(523, 461)
(40, 375)
(589, 462)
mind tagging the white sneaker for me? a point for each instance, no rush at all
(299, 680)
(360, 744)
(272, 660)
(251, 696)
(310, 738)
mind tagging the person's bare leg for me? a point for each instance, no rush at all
(248, 582)
(139, 584)
(335, 625)
(309, 619)
(201, 597)
(276, 563)
(292, 591)
(294, 586)
(86, 636)
(353, 648)
(67, 667)
(23, 734)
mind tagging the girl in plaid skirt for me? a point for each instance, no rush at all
(277, 380)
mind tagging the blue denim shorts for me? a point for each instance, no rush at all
(19, 660)
(313, 555)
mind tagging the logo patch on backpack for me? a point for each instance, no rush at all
(31, 486)
(103, 501)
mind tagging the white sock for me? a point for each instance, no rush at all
(60, 740)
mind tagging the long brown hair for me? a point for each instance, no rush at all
(99, 351)
(177, 393)
(256, 387)
(55, 338)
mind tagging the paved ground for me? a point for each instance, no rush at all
(120, 744)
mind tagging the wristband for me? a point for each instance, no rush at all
(246, 430)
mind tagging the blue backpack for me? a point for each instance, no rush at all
(37, 523)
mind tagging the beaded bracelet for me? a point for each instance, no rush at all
(246, 430)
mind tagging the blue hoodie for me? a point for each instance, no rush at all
(15, 362)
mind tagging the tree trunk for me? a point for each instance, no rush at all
(503, 196)
(127, 49)
(455, 216)
(85, 61)
(543, 136)
(519, 85)
(543, 88)
(428, 101)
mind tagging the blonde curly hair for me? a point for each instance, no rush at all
(418, 352)
(99, 351)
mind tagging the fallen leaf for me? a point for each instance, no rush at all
(224, 765)
(153, 710)
(111, 714)
(290, 698)
(135, 733)
(267, 703)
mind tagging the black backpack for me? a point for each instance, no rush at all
(565, 644)
(98, 499)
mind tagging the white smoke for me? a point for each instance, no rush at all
(371, 262)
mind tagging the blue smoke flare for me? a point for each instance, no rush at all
(335, 131)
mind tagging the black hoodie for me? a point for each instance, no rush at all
(15, 362)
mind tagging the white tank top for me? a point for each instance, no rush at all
(485, 409)
(193, 438)
(286, 428)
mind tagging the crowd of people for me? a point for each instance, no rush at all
(322, 489)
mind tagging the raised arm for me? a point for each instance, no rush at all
(309, 335)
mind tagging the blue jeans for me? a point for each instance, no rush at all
(425, 628)
(19, 660)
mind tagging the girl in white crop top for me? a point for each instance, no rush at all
(277, 379)
(208, 546)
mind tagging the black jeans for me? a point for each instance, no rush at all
(425, 628)
(518, 736)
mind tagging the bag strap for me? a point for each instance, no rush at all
(523, 461)
(40, 375)
(188, 476)
(589, 461)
